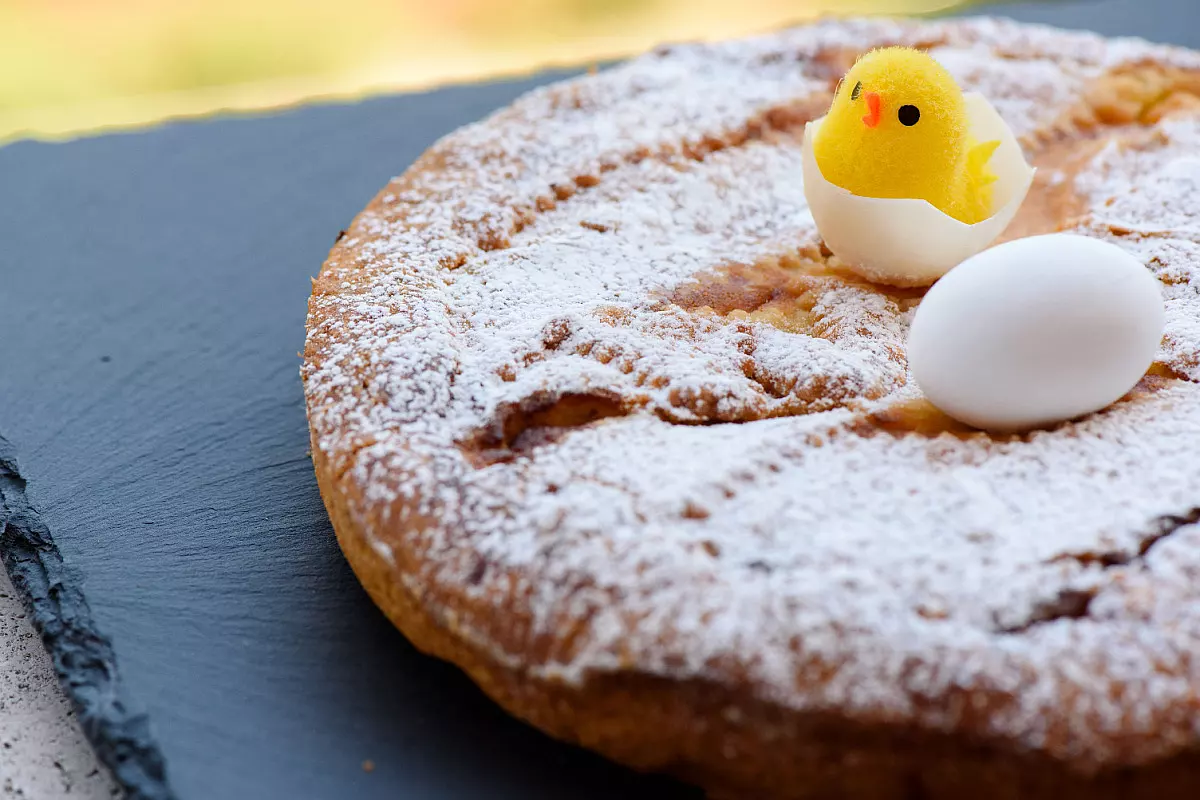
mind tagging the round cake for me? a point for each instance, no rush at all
(598, 418)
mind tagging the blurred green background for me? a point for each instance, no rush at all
(70, 66)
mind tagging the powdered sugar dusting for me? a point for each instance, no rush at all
(831, 564)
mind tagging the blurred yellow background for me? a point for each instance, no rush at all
(69, 66)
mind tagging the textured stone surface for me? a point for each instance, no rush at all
(43, 753)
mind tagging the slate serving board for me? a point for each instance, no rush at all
(153, 460)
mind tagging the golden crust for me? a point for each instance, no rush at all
(721, 729)
(686, 728)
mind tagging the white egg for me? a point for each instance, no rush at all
(1036, 331)
(909, 242)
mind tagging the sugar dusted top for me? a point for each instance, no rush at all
(587, 365)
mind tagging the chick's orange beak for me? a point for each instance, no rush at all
(872, 117)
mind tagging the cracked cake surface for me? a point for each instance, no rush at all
(598, 418)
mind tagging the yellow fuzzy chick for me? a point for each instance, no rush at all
(898, 128)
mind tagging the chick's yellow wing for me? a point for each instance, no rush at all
(978, 205)
(978, 157)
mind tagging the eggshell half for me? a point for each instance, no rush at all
(909, 242)
(1036, 331)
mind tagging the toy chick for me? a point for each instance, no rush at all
(906, 176)
(898, 128)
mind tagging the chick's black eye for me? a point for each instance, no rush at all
(909, 115)
(856, 91)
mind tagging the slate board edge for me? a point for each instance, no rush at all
(83, 657)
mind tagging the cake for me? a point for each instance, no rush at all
(598, 418)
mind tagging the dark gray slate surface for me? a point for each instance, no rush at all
(1173, 21)
(152, 296)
